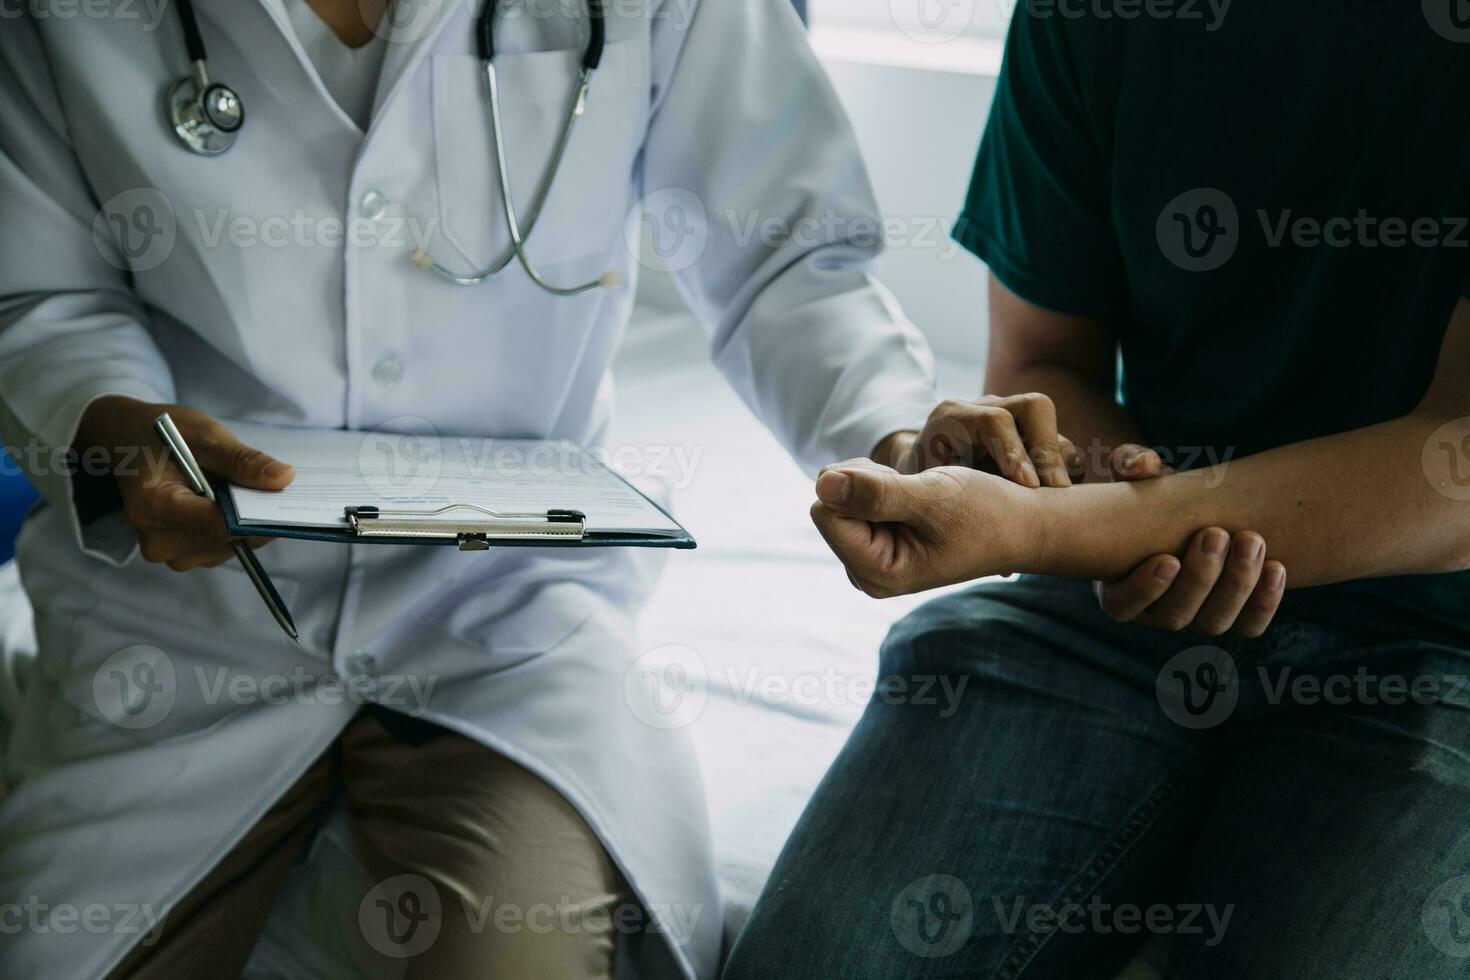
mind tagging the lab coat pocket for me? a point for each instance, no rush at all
(162, 657)
(591, 193)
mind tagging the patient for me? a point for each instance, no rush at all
(1271, 240)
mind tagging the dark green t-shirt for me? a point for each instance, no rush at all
(1270, 208)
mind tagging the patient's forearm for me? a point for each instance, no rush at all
(1365, 503)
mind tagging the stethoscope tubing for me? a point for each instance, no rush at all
(199, 137)
(591, 59)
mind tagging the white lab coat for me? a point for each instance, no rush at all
(230, 291)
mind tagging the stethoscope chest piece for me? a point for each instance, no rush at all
(205, 115)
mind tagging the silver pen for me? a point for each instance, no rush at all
(184, 457)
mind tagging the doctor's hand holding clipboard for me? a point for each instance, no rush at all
(175, 525)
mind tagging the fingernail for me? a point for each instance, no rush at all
(1166, 570)
(1029, 471)
(1248, 549)
(1216, 542)
(1275, 577)
(833, 487)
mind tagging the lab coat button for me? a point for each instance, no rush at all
(373, 205)
(388, 371)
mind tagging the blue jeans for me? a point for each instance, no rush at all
(1296, 806)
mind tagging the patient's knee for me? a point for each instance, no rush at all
(961, 634)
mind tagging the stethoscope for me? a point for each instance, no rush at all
(208, 115)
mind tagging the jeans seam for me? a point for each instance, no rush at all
(1106, 859)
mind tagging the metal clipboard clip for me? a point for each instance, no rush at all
(471, 535)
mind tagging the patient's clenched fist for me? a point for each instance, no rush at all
(900, 533)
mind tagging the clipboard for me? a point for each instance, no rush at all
(471, 529)
(471, 492)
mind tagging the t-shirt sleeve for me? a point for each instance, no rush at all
(1038, 210)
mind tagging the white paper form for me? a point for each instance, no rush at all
(336, 469)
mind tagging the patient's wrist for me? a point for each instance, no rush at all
(1100, 530)
(893, 448)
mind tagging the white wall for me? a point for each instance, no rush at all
(918, 128)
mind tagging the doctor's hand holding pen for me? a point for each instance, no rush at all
(175, 525)
(1221, 582)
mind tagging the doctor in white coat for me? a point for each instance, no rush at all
(283, 282)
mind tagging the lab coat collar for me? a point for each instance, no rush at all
(249, 25)
(413, 26)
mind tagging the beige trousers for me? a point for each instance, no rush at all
(481, 869)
